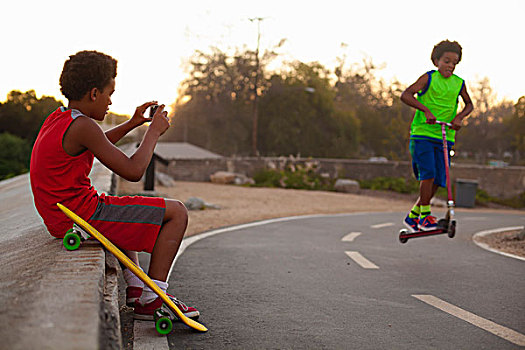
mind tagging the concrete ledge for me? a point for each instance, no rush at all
(53, 298)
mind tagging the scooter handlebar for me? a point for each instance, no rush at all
(443, 123)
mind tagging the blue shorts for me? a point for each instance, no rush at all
(428, 160)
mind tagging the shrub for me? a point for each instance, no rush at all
(267, 178)
(295, 176)
(396, 184)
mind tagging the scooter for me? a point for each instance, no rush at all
(446, 225)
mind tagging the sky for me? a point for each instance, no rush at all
(153, 39)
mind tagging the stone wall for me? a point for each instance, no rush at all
(498, 182)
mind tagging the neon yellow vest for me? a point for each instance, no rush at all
(441, 97)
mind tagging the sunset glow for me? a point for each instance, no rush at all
(152, 40)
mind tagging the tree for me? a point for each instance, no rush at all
(14, 155)
(309, 110)
(218, 115)
(21, 117)
(515, 126)
(23, 113)
(298, 115)
(485, 133)
(383, 120)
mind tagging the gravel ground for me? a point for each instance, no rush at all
(506, 242)
(240, 205)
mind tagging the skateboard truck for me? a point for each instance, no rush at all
(74, 237)
(164, 319)
(446, 225)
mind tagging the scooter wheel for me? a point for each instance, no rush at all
(403, 239)
(452, 229)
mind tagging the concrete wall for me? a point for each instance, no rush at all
(499, 182)
(53, 298)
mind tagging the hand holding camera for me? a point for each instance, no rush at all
(159, 118)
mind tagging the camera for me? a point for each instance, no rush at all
(152, 111)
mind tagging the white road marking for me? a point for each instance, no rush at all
(386, 224)
(494, 328)
(350, 237)
(146, 337)
(186, 242)
(361, 260)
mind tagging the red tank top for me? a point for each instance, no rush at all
(57, 177)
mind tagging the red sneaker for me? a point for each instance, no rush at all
(428, 223)
(145, 312)
(132, 294)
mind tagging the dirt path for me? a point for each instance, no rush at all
(246, 204)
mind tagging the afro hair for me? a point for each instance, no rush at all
(445, 46)
(84, 71)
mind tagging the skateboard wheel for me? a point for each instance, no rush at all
(164, 325)
(71, 240)
(452, 229)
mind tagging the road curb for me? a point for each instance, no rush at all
(476, 239)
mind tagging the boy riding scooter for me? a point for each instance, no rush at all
(437, 92)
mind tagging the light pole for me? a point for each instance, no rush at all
(255, 152)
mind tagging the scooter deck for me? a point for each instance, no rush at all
(131, 265)
(405, 235)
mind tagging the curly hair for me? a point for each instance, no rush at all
(445, 46)
(84, 71)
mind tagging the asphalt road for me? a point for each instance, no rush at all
(345, 282)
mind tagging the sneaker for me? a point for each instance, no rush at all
(145, 312)
(428, 223)
(132, 294)
(411, 223)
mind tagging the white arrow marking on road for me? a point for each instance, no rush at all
(350, 237)
(386, 224)
(489, 326)
(361, 260)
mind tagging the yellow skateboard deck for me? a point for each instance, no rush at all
(131, 265)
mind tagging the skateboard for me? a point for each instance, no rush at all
(168, 313)
(446, 225)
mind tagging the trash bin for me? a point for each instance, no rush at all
(466, 193)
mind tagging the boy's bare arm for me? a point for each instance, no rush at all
(86, 133)
(469, 107)
(408, 97)
(121, 130)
